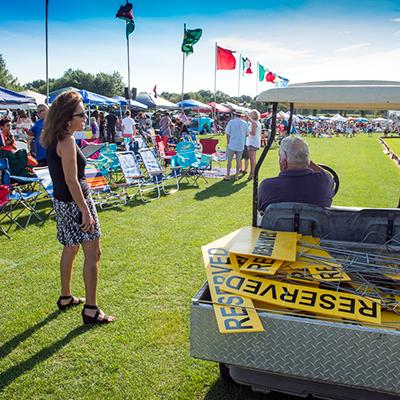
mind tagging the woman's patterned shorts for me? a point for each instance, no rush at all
(69, 218)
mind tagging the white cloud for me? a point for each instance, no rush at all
(262, 49)
(395, 20)
(352, 47)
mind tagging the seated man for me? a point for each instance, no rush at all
(300, 180)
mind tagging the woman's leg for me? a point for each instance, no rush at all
(66, 265)
(92, 254)
(252, 156)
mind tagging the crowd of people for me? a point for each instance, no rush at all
(328, 128)
(113, 126)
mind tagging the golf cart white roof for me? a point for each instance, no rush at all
(337, 95)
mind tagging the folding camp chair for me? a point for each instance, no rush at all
(135, 178)
(22, 195)
(101, 192)
(43, 174)
(156, 173)
(209, 146)
(4, 203)
(192, 167)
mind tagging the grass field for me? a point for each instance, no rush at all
(150, 268)
(394, 145)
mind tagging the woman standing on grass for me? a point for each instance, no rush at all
(253, 141)
(76, 216)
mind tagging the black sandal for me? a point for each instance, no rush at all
(88, 319)
(64, 307)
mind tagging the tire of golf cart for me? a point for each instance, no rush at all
(225, 373)
(334, 175)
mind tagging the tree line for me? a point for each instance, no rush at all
(108, 85)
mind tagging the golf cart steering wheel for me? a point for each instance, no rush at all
(334, 176)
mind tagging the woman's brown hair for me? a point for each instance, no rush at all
(60, 113)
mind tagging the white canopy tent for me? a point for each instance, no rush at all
(153, 102)
(39, 98)
(338, 118)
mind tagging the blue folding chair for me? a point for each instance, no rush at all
(22, 194)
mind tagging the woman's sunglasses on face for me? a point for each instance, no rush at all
(80, 115)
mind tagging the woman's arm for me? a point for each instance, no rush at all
(253, 128)
(67, 151)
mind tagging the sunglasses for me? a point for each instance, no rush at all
(40, 111)
(80, 115)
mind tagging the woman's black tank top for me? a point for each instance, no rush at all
(60, 187)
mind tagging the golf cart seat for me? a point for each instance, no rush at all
(367, 225)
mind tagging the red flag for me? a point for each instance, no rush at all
(225, 59)
(155, 90)
(125, 12)
(270, 77)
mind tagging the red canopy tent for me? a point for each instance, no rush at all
(219, 107)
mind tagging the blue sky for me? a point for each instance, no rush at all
(301, 40)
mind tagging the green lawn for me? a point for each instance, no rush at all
(150, 268)
(394, 145)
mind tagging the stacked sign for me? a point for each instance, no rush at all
(254, 269)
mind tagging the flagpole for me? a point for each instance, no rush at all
(47, 51)
(183, 69)
(240, 63)
(257, 77)
(215, 86)
(129, 65)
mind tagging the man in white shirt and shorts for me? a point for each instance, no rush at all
(236, 133)
(128, 125)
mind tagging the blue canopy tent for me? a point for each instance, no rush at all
(133, 103)
(10, 97)
(88, 97)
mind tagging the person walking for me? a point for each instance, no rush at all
(165, 125)
(76, 216)
(236, 132)
(36, 131)
(111, 119)
(102, 126)
(128, 125)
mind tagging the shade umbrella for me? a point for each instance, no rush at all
(193, 104)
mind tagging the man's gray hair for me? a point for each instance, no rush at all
(295, 151)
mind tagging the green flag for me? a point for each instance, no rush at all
(191, 37)
(261, 73)
(130, 27)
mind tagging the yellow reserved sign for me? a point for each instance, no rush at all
(235, 314)
(306, 298)
(325, 271)
(261, 266)
(258, 242)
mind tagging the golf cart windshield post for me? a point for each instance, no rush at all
(289, 128)
(261, 160)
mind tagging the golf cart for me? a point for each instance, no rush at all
(298, 354)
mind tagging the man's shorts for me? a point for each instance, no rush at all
(231, 153)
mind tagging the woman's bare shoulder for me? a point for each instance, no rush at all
(66, 144)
